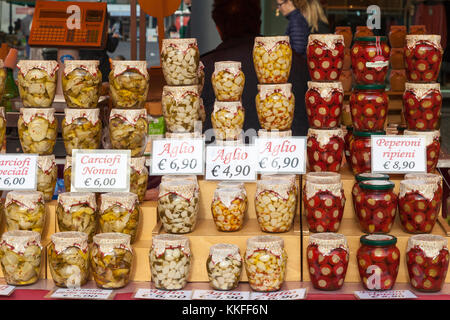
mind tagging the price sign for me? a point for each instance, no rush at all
(100, 170)
(173, 156)
(220, 295)
(383, 295)
(6, 290)
(231, 163)
(82, 294)
(155, 294)
(398, 154)
(295, 294)
(18, 171)
(281, 155)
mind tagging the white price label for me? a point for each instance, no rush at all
(172, 156)
(220, 295)
(88, 294)
(18, 171)
(281, 155)
(231, 163)
(100, 170)
(295, 294)
(155, 294)
(398, 154)
(6, 290)
(388, 294)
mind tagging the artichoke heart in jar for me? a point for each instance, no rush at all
(224, 266)
(228, 120)
(180, 61)
(138, 177)
(228, 80)
(180, 106)
(228, 208)
(47, 174)
(25, 210)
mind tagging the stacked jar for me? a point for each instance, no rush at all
(346, 74)
(397, 76)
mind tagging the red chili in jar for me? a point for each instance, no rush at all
(325, 55)
(328, 256)
(369, 106)
(365, 177)
(360, 151)
(423, 57)
(433, 146)
(348, 138)
(427, 260)
(325, 148)
(323, 102)
(378, 261)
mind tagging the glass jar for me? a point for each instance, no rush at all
(68, 173)
(138, 177)
(397, 80)
(348, 138)
(360, 151)
(227, 119)
(37, 82)
(370, 60)
(180, 106)
(228, 80)
(428, 177)
(397, 36)
(419, 204)
(265, 263)
(189, 177)
(433, 146)
(422, 104)
(2, 125)
(183, 135)
(228, 208)
(68, 259)
(170, 261)
(77, 211)
(111, 260)
(47, 174)
(323, 102)
(128, 129)
(275, 204)
(20, 256)
(2, 79)
(423, 57)
(365, 177)
(369, 106)
(262, 133)
(81, 83)
(37, 130)
(128, 84)
(347, 33)
(81, 129)
(25, 210)
(224, 266)
(378, 261)
(180, 61)
(201, 77)
(328, 257)
(178, 206)
(325, 149)
(427, 261)
(325, 55)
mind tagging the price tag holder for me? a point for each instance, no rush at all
(82, 294)
(220, 295)
(6, 290)
(18, 171)
(281, 155)
(174, 156)
(385, 295)
(295, 294)
(398, 154)
(236, 163)
(155, 294)
(100, 170)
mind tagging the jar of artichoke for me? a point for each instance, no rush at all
(25, 210)
(47, 174)
(138, 177)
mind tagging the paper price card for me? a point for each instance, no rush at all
(172, 156)
(295, 294)
(281, 155)
(231, 163)
(82, 294)
(398, 154)
(6, 290)
(18, 171)
(155, 294)
(388, 294)
(100, 170)
(220, 295)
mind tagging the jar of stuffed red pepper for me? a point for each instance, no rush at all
(360, 151)
(370, 60)
(325, 148)
(323, 102)
(325, 55)
(429, 177)
(369, 106)
(365, 177)
(433, 146)
(427, 260)
(423, 57)
(378, 261)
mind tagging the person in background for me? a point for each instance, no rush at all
(314, 14)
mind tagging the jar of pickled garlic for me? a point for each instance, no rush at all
(224, 266)
(2, 124)
(180, 106)
(2, 79)
(423, 57)
(228, 208)
(180, 61)
(77, 211)
(369, 106)
(348, 138)
(47, 174)
(272, 58)
(346, 32)
(178, 206)
(432, 141)
(170, 261)
(128, 129)
(25, 210)
(20, 257)
(262, 133)
(37, 82)
(68, 259)
(323, 102)
(376, 206)
(360, 151)
(328, 257)
(365, 177)
(419, 203)
(370, 60)
(422, 104)
(228, 80)
(265, 262)
(227, 119)
(111, 260)
(138, 177)
(325, 55)
(325, 149)
(81, 83)
(37, 130)
(201, 77)
(275, 204)
(378, 261)
(397, 36)
(128, 84)
(427, 261)
(68, 173)
(81, 129)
